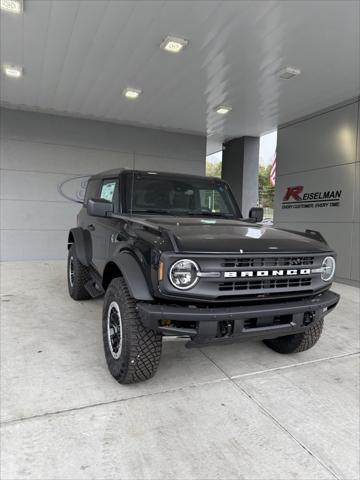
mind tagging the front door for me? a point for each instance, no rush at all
(103, 227)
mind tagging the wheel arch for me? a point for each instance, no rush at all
(125, 265)
(111, 271)
(71, 239)
(81, 239)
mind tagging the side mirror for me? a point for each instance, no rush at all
(256, 214)
(97, 207)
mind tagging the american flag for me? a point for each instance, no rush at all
(273, 171)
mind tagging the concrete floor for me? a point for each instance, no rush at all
(233, 412)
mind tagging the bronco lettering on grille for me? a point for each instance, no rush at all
(267, 273)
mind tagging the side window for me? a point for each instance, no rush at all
(91, 190)
(109, 190)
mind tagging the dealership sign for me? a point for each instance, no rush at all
(73, 188)
(298, 197)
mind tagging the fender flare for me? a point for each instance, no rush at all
(83, 247)
(133, 276)
(313, 234)
(317, 235)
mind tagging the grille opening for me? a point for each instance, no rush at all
(264, 284)
(250, 323)
(267, 262)
(267, 321)
(177, 324)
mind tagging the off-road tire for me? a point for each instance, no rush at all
(140, 347)
(81, 276)
(298, 342)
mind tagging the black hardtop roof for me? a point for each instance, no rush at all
(117, 171)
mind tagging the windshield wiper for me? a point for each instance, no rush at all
(149, 210)
(163, 211)
(211, 214)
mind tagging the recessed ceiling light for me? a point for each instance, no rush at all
(12, 6)
(223, 109)
(289, 72)
(13, 71)
(132, 93)
(173, 44)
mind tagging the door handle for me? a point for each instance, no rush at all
(91, 227)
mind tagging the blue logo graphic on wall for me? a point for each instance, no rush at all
(73, 189)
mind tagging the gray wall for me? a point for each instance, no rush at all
(321, 153)
(40, 152)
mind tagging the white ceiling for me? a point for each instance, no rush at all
(78, 56)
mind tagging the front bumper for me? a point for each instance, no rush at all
(226, 324)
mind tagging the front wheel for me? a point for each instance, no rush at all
(132, 351)
(298, 342)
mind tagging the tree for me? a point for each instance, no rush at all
(213, 169)
(266, 190)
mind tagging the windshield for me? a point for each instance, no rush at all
(176, 195)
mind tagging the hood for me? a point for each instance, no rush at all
(214, 235)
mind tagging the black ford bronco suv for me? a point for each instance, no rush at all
(174, 256)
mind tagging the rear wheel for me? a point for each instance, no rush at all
(132, 351)
(298, 342)
(77, 275)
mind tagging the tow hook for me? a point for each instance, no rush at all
(309, 317)
(226, 328)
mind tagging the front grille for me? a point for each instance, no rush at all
(262, 276)
(267, 262)
(264, 284)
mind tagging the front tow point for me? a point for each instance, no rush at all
(225, 328)
(309, 317)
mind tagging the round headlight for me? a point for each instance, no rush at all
(328, 269)
(183, 274)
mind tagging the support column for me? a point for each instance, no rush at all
(240, 169)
